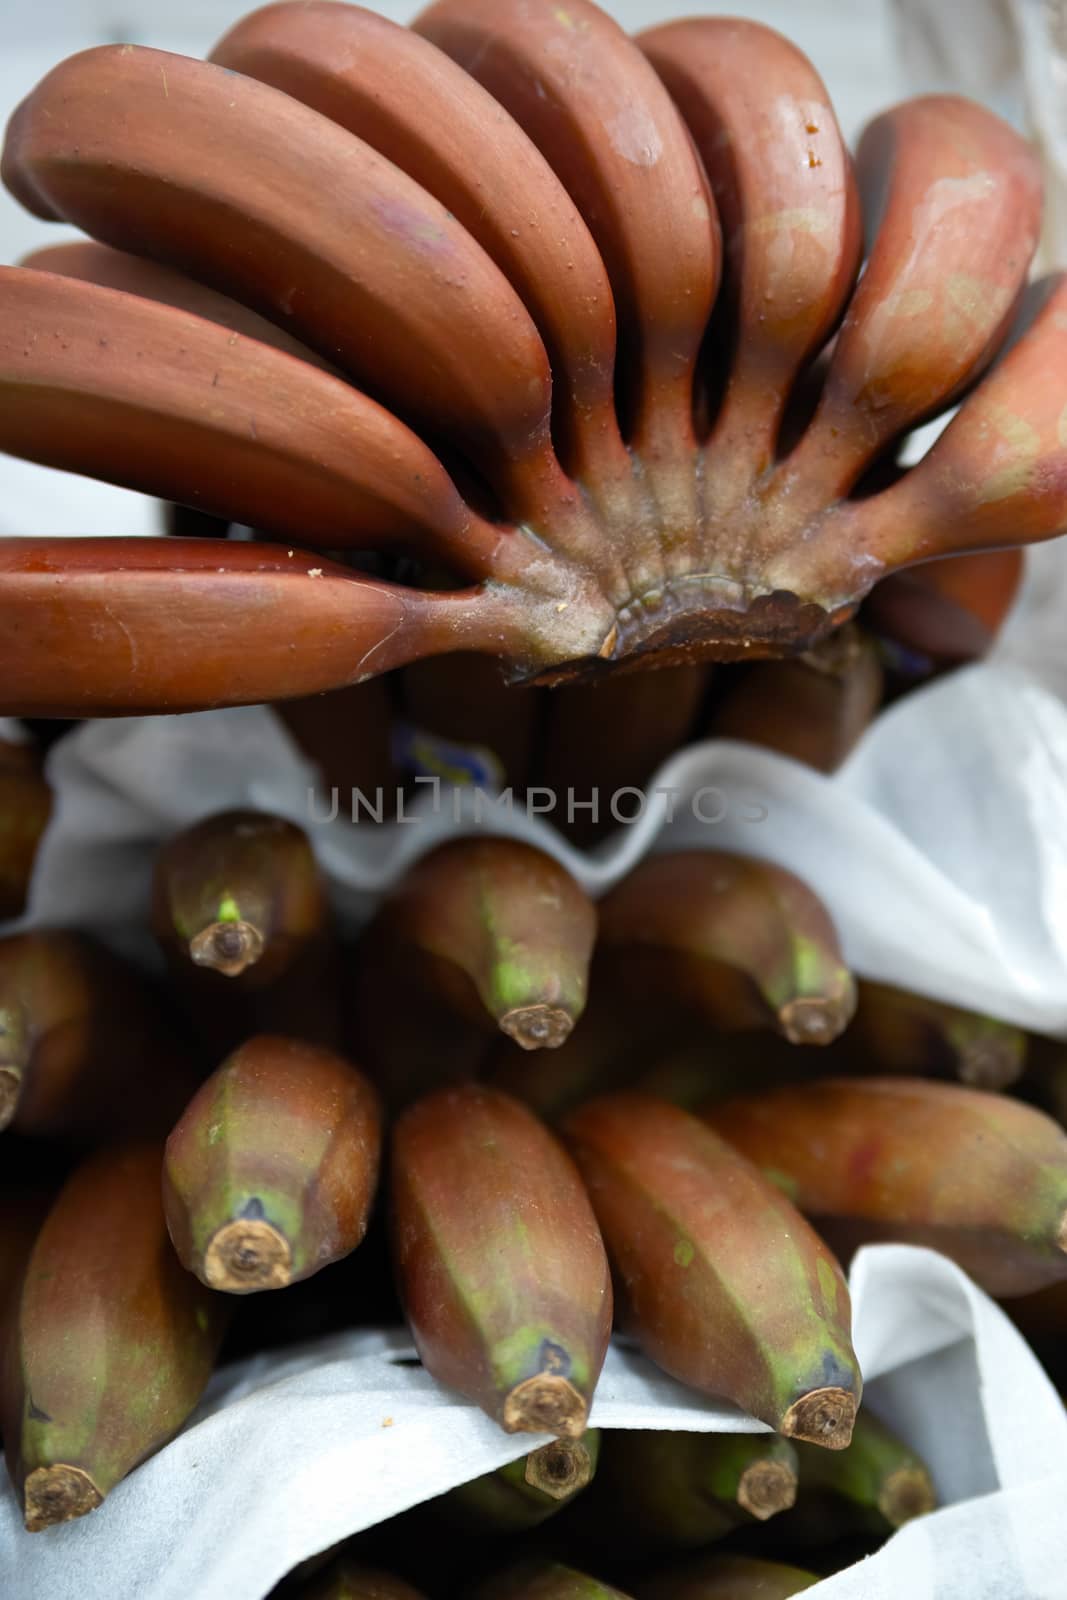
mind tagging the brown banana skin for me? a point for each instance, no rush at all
(25, 809)
(504, 1280)
(110, 1342)
(727, 1577)
(948, 611)
(85, 1055)
(239, 908)
(814, 708)
(725, 1286)
(465, 700)
(980, 1177)
(741, 942)
(503, 930)
(271, 1170)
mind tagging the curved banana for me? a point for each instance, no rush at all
(952, 197)
(782, 179)
(123, 626)
(160, 400)
(590, 101)
(420, 110)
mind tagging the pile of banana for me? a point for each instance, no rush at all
(477, 361)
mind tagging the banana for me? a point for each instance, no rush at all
(271, 1170)
(89, 262)
(727, 1288)
(118, 627)
(84, 1054)
(814, 708)
(240, 910)
(159, 398)
(604, 740)
(25, 809)
(504, 1278)
(877, 1483)
(783, 184)
(953, 202)
(948, 611)
(546, 1580)
(413, 105)
(741, 942)
(588, 99)
(894, 1031)
(500, 930)
(980, 1177)
(659, 1490)
(110, 1342)
(523, 1494)
(727, 1577)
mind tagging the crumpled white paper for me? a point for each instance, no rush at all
(291, 1453)
(940, 848)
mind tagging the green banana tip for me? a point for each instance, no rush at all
(823, 1416)
(545, 1403)
(559, 1469)
(246, 1255)
(227, 947)
(58, 1493)
(817, 1019)
(765, 1488)
(905, 1494)
(537, 1027)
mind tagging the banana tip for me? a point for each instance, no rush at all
(824, 1416)
(58, 1494)
(816, 1019)
(247, 1255)
(559, 1469)
(905, 1494)
(228, 947)
(547, 1403)
(10, 1083)
(765, 1488)
(538, 1027)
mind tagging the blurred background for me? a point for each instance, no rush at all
(1010, 53)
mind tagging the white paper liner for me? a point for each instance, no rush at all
(294, 1452)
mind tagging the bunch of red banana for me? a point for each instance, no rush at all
(518, 336)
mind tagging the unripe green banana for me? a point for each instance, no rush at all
(84, 1055)
(499, 1260)
(271, 1170)
(878, 1483)
(741, 942)
(980, 1177)
(727, 1288)
(109, 1344)
(526, 1492)
(660, 1490)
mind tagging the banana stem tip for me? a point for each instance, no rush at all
(906, 1493)
(537, 1027)
(824, 1416)
(246, 1255)
(58, 1494)
(547, 1403)
(765, 1488)
(816, 1019)
(229, 947)
(559, 1469)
